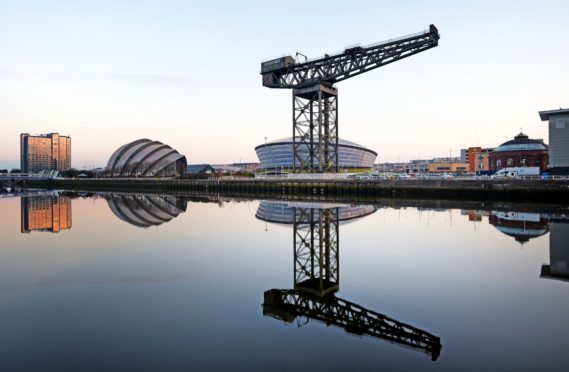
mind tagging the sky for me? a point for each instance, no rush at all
(187, 73)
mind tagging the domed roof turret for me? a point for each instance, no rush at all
(521, 142)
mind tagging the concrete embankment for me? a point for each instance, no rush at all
(550, 191)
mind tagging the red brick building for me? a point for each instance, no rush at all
(522, 151)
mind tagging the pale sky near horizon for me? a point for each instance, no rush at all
(187, 73)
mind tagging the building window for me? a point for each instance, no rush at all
(523, 163)
(510, 162)
(560, 124)
(498, 164)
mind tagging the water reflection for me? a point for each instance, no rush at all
(558, 251)
(520, 226)
(45, 212)
(317, 277)
(523, 226)
(145, 210)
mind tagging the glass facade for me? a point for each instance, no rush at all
(44, 152)
(278, 154)
(146, 158)
(45, 213)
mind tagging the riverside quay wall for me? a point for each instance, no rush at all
(550, 191)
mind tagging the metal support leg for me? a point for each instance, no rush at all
(315, 129)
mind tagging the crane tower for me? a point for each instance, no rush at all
(315, 99)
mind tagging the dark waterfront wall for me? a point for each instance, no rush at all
(530, 191)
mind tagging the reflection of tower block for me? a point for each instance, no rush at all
(316, 260)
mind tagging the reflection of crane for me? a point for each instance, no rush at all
(286, 305)
(315, 99)
(316, 279)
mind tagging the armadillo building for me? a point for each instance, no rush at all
(277, 155)
(146, 158)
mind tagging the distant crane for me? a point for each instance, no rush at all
(315, 99)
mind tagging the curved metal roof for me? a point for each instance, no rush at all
(145, 210)
(341, 142)
(521, 142)
(142, 157)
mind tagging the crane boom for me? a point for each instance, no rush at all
(315, 99)
(286, 73)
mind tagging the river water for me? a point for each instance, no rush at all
(115, 281)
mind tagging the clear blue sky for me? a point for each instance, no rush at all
(187, 73)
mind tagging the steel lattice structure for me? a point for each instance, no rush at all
(317, 279)
(316, 259)
(315, 100)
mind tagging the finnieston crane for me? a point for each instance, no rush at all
(315, 99)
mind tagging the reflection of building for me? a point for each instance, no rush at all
(522, 151)
(558, 139)
(317, 279)
(278, 155)
(45, 213)
(521, 226)
(146, 158)
(146, 210)
(281, 212)
(558, 267)
(44, 152)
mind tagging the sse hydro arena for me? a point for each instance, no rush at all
(277, 155)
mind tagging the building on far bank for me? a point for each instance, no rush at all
(558, 139)
(146, 158)
(522, 151)
(45, 213)
(200, 169)
(448, 167)
(277, 155)
(419, 166)
(44, 152)
(392, 167)
(478, 159)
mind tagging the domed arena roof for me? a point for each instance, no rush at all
(341, 142)
(521, 142)
(146, 158)
(145, 210)
(279, 154)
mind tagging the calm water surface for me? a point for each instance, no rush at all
(146, 282)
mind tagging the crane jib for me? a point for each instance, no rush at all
(284, 72)
(315, 99)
